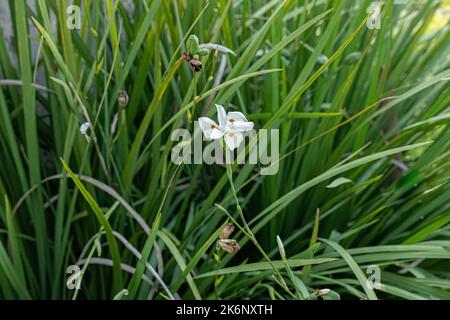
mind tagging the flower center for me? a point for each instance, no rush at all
(213, 126)
(230, 134)
(232, 120)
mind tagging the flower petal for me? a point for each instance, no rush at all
(210, 129)
(233, 139)
(216, 134)
(221, 115)
(236, 116)
(214, 46)
(240, 126)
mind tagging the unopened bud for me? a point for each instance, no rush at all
(323, 292)
(192, 44)
(84, 128)
(203, 52)
(352, 58)
(281, 248)
(322, 59)
(122, 98)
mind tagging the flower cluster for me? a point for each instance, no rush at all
(230, 127)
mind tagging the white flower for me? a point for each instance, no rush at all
(230, 127)
(84, 128)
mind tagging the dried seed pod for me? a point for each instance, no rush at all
(229, 245)
(186, 56)
(195, 65)
(227, 231)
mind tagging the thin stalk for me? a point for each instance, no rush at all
(248, 229)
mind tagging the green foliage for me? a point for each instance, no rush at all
(364, 166)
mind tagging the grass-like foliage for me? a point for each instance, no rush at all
(363, 187)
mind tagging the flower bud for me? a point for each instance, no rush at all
(122, 98)
(192, 44)
(203, 52)
(322, 59)
(281, 248)
(323, 292)
(84, 128)
(352, 58)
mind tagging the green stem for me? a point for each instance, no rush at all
(249, 232)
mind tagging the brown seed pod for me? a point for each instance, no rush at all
(195, 65)
(229, 245)
(227, 231)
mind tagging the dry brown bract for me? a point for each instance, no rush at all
(195, 65)
(228, 245)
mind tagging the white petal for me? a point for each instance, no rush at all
(214, 46)
(210, 129)
(233, 139)
(216, 134)
(236, 116)
(221, 115)
(241, 126)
